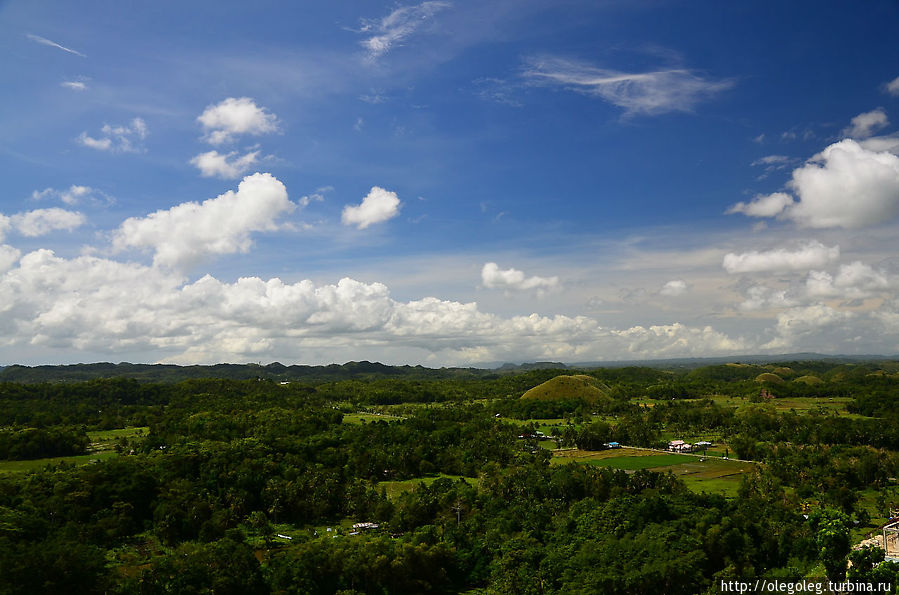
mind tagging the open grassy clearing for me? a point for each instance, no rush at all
(582, 456)
(699, 473)
(798, 404)
(132, 432)
(395, 488)
(712, 475)
(646, 462)
(550, 426)
(358, 418)
(103, 440)
(38, 464)
(102, 447)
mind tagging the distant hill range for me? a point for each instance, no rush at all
(697, 362)
(370, 370)
(275, 371)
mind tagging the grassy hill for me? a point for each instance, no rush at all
(579, 386)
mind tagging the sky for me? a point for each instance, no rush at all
(448, 182)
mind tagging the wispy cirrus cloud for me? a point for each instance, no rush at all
(396, 27)
(53, 44)
(75, 194)
(647, 93)
(74, 85)
(773, 163)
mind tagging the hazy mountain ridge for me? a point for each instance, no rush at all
(368, 370)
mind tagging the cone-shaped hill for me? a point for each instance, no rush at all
(560, 388)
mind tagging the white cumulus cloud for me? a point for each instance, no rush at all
(378, 205)
(191, 232)
(118, 139)
(854, 280)
(649, 93)
(768, 205)
(8, 256)
(674, 288)
(878, 144)
(91, 304)
(227, 166)
(866, 124)
(494, 277)
(760, 297)
(846, 186)
(236, 116)
(5, 224)
(807, 256)
(892, 87)
(805, 326)
(42, 221)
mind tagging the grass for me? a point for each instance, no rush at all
(699, 473)
(395, 488)
(569, 387)
(645, 462)
(585, 456)
(835, 405)
(101, 448)
(359, 418)
(726, 486)
(798, 404)
(132, 432)
(548, 426)
(104, 440)
(38, 464)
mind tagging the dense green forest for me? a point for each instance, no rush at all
(364, 478)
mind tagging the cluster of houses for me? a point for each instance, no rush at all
(360, 527)
(537, 435)
(681, 446)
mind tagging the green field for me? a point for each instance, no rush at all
(38, 464)
(104, 440)
(647, 462)
(799, 404)
(835, 405)
(395, 488)
(700, 473)
(102, 447)
(100, 435)
(358, 418)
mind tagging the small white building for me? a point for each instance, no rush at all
(679, 446)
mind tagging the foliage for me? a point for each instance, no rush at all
(230, 462)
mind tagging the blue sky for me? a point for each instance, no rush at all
(447, 182)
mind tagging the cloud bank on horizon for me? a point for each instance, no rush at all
(467, 189)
